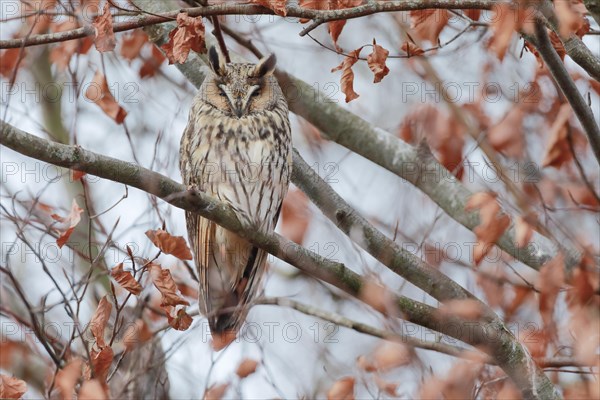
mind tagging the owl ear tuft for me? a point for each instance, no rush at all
(216, 61)
(265, 66)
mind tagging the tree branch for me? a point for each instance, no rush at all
(231, 8)
(515, 361)
(567, 86)
(176, 194)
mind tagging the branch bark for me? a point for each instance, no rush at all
(505, 349)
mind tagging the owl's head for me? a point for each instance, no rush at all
(241, 89)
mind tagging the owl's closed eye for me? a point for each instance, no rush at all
(240, 89)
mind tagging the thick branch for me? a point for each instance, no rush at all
(515, 362)
(178, 195)
(414, 164)
(385, 250)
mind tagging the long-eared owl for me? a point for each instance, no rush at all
(236, 147)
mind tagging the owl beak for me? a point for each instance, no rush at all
(239, 108)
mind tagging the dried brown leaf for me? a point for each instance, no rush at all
(99, 93)
(61, 54)
(174, 245)
(389, 388)
(216, 392)
(557, 150)
(69, 223)
(92, 390)
(428, 24)
(101, 362)
(585, 284)
(104, 38)
(189, 35)
(411, 49)
(335, 29)
(549, 283)
(391, 355)
(165, 284)
(132, 44)
(67, 377)
(295, 216)
(376, 61)
(11, 387)
(365, 363)
(442, 132)
(342, 389)
(579, 193)
(508, 19)
(152, 64)
(125, 279)
(278, 6)
(523, 232)
(37, 21)
(100, 319)
(347, 80)
(181, 321)
(570, 19)
(507, 135)
(474, 14)
(377, 296)
(246, 367)
(492, 223)
(8, 62)
(558, 45)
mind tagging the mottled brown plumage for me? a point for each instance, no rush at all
(237, 147)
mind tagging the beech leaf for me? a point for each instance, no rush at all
(188, 35)
(181, 321)
(492, 222)
(99, 93)
(125, 279)
(69, 222)
(92, 390)
(67, 377)
(376, 62)
(173, 245)
(246, 367)
(100, 319)
(428, 24)
(278, 6)
(165, 284)
(342, 389)
(104, 38)
(11, 387)
(347, 79)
